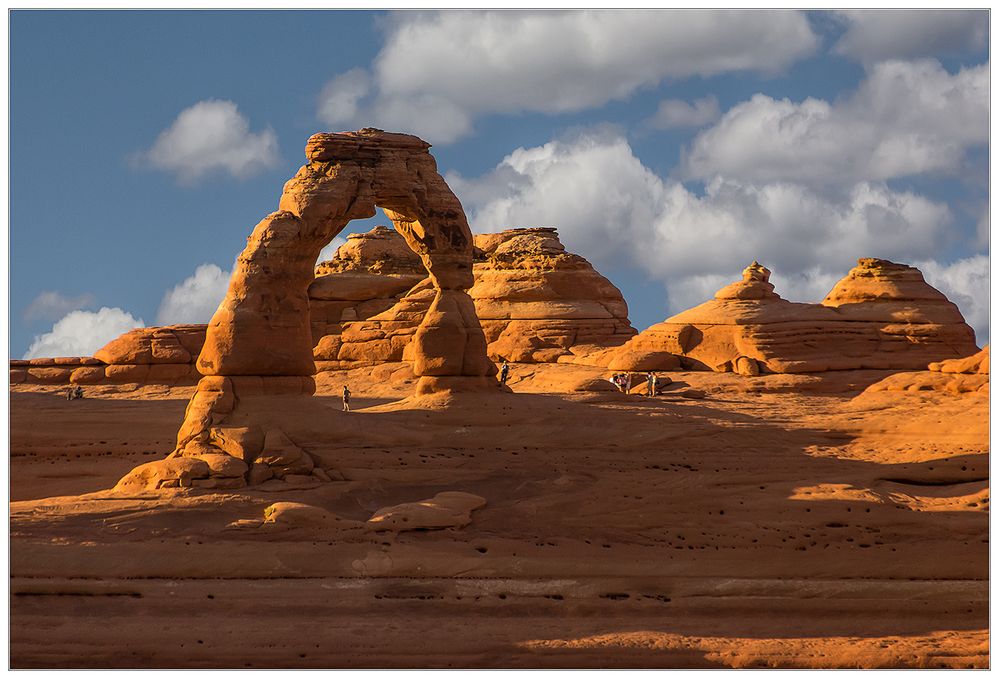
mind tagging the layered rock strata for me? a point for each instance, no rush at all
(954, 376)
(881, 316)
(535, 302)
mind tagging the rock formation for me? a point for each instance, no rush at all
(954, 376)
(450, 509)
(259, 343)
(539, 303)
(535, 301)
(882, 315)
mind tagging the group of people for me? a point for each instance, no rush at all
(623, 383)
(74, 393)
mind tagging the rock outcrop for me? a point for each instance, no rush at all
(158, 355)
(882, 316)
(954, 376)
(535, 301)
(450, 509)
(538, 303)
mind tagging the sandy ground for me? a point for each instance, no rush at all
(778, 522)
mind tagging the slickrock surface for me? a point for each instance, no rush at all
(881, 316)
(778, 522)
(959, 375)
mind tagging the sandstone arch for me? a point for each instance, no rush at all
(262, 326)
(259, 343)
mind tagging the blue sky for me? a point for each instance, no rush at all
(669, 148)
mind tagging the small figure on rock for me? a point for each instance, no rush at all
(627, 382)
(652, 383)
(346, 399)
(74, 393)
(504, 373)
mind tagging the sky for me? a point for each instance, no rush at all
(670, 148)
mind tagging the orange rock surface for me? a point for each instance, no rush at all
(535, 301)
(881, 316)
(789, 520)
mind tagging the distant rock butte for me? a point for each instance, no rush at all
(882, 315)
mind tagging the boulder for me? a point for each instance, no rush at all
(451, 509)
(174, 472)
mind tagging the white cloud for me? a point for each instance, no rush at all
(611, 207)
(437, 71)
(212, 136)
(875, 35)
(966, 283)
(195, 299)
(340, 97)
(677, 113)
(328, 251)
(905, 118)
(81, 333)
(50, 305)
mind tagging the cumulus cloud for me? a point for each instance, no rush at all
(195, 299)
(966, 283)
(876, 35)
(81, 333)
(212, 136)
(619, 213)
(905, 118)
(50, 305)
(437, 71)
(677, 113)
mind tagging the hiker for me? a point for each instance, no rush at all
(627, 383)
(504, 373)
(346, 399)
(70, 394)
(652, 382)
(78, 392)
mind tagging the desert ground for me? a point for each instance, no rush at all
(732, 521)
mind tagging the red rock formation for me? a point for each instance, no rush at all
(882, 315)
(954, 376)
(538, 303)
(259, 343)
(535, 301)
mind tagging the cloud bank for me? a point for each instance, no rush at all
(437, 72)
(610, 206)
(905, 118)
(875, 35)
